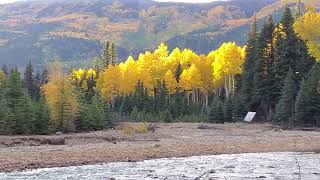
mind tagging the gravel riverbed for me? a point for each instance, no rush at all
(284, 165)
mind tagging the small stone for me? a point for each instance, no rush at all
(157, 145)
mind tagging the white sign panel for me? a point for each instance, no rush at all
(249, 116)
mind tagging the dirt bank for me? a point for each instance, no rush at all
(169, 140)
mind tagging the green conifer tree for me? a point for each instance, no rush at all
(106, 56)
(263, 77)
(28, 80)
(285, 108)
(42, 118)
(290, 52)
(44, 76)
(5, 70)
(227, 110)
(113, 54)
(19, 103)
(37, 85)
(307, 106)
(247, 76)
(216, 113)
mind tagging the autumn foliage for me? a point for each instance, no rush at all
(200, 74)
(61, 99)
(307, 27)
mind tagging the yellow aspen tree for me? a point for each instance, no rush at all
(307, 27)
(173, 60)
(129, 76)
(228, 62)
(109, 83)
(185, 81)
(196, 82)
(187, 58)
(144, 74)
(171, 82)
(62, 101)
(205, 68)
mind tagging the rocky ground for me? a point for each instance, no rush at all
(125, 143)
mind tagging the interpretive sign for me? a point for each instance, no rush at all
(249, 117)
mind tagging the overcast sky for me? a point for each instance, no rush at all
(191, 1)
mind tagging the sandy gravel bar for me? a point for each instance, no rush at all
(169, 140)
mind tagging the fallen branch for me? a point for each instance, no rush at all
(205, 174)
(297, 163)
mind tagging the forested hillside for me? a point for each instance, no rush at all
(276, 74)
(74, 31)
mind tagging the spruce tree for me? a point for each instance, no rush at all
(220, 117)
(5, 70)
(29, 80)
(247, 76)
(161, 97)
(227, 110)
(44, 76)
(126, 106)
(290, 52)
(178, 104)
(285, 108)
(212, 113)
(113, 54)
(141, 99)
(19, 103)
(263, 77)
(216, 113)
(27, 119)
(37, 85)
(98, 65)
(5, 122)
(93, 116)
(42, 118)
(238, 110)
(307, 106)
(166, 116)
(106, 56)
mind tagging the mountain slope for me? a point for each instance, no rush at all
(73, 30)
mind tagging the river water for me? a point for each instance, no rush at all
(282, 166)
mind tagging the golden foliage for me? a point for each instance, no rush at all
(109, 82)
(199, 72)
(307, 27)
(62, 102)
(82, 76)
(171, 82)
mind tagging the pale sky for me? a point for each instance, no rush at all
(190, 1)
(6, 1)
